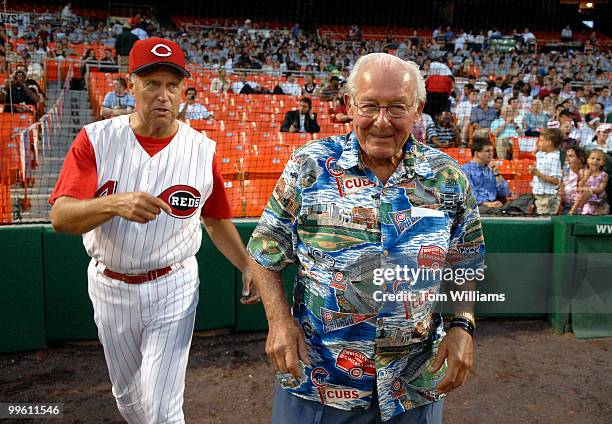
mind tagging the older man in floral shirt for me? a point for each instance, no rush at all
(355, 347)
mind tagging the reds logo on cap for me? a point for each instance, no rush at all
(155, 51)
(183, 199)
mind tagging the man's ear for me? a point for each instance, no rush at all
(420, 109)
(130, 84)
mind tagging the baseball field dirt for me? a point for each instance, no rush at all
(523, 373)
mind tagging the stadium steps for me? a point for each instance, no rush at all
(77, 113)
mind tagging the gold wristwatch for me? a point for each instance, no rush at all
(467, 315)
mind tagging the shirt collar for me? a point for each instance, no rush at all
(414, 160)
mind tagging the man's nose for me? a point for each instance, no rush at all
(382, 119)
(162, 95)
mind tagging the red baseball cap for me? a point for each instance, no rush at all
(157, 51)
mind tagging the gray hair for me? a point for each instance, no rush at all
(387, 60)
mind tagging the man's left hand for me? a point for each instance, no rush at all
(456, 347)
(249, 289)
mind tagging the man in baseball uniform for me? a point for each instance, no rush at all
(136, 187)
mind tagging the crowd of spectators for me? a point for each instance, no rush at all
(504, 85)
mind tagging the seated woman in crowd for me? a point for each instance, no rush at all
(108, 62)
(592, 187)
(310, 88)
(88, 59)
(574, 161)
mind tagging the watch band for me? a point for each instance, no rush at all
(464, 324)
(466, 315)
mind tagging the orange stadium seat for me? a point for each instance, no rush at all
(518, 187)
(203, 124)
(256, 195)
(505, 168)
(524, 147)
(460, 154)
(520, 168)
(233, 191)
(264, 166)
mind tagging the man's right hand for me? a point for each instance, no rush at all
(292, 128)
(285, 346)
(139, 207)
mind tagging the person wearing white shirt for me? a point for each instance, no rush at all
(566, 34)
(67, 12)
(547, 173)
(34, 70)
(140, 33)
(239, 86)
(192, 110)
(602, 139)
(528, 36)
(585, 132)
(566, 92)
(463, 111)
(290, 87)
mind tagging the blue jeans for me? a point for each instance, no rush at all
(290, 409)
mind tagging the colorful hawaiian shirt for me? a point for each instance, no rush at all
(331, 216)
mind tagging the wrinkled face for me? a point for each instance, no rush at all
(382, 137)
(158, 96)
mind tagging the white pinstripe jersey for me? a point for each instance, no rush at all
(181, 174)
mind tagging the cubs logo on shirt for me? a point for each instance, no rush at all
(183, 199)
(402, 220)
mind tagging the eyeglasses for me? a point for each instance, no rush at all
(371, 110)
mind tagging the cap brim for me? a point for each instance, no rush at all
(150, 66)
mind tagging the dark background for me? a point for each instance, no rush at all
(468, 14)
